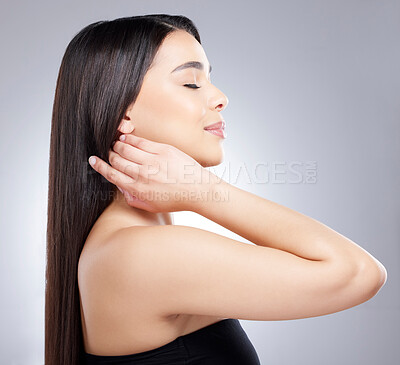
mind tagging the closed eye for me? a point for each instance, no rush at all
(192, 86)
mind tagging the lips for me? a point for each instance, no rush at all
(218, 132)
(218, 125)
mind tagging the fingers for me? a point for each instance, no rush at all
(143, 143)
(112, 175)
(132, 153)
(121, 180)
(127, 167)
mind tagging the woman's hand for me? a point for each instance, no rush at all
(154, 176)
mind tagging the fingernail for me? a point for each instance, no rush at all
(120, 189)
(92, 160)
(122, 137)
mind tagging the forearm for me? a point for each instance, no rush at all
(267, 223)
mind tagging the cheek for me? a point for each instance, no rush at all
(182, 104)
(173, 102)
(170, 115)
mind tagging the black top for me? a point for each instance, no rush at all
(221, 343)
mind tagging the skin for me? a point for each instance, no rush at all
(168, 112)
(297, 267)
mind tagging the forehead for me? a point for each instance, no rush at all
(178, 47)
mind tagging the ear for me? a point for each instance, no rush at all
(126, 125)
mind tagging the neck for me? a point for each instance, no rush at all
(129, 214)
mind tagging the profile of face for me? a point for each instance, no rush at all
(173, 107)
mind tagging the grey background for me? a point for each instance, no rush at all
(307, 81)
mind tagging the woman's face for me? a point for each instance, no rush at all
(166, 111)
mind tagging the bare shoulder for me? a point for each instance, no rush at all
(185, 270)
(111, 299)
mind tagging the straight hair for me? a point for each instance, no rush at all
(101, 74)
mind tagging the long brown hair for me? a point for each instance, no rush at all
(101, 74)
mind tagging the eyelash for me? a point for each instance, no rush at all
(192, 86)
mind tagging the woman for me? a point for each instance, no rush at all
(123, 283)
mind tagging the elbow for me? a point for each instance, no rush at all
(372, 276)
(381, 275)
(359, 282)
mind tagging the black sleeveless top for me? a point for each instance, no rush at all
(221, 343)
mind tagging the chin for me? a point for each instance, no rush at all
(212, 159)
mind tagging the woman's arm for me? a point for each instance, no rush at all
(269, 224)
(259, 220)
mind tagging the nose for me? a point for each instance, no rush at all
(218, 101)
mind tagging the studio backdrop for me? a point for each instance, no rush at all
(312, 124)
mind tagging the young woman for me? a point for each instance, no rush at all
(124, 285)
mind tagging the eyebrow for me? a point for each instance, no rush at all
(190, 64)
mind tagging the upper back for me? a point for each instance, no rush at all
(114, 323)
